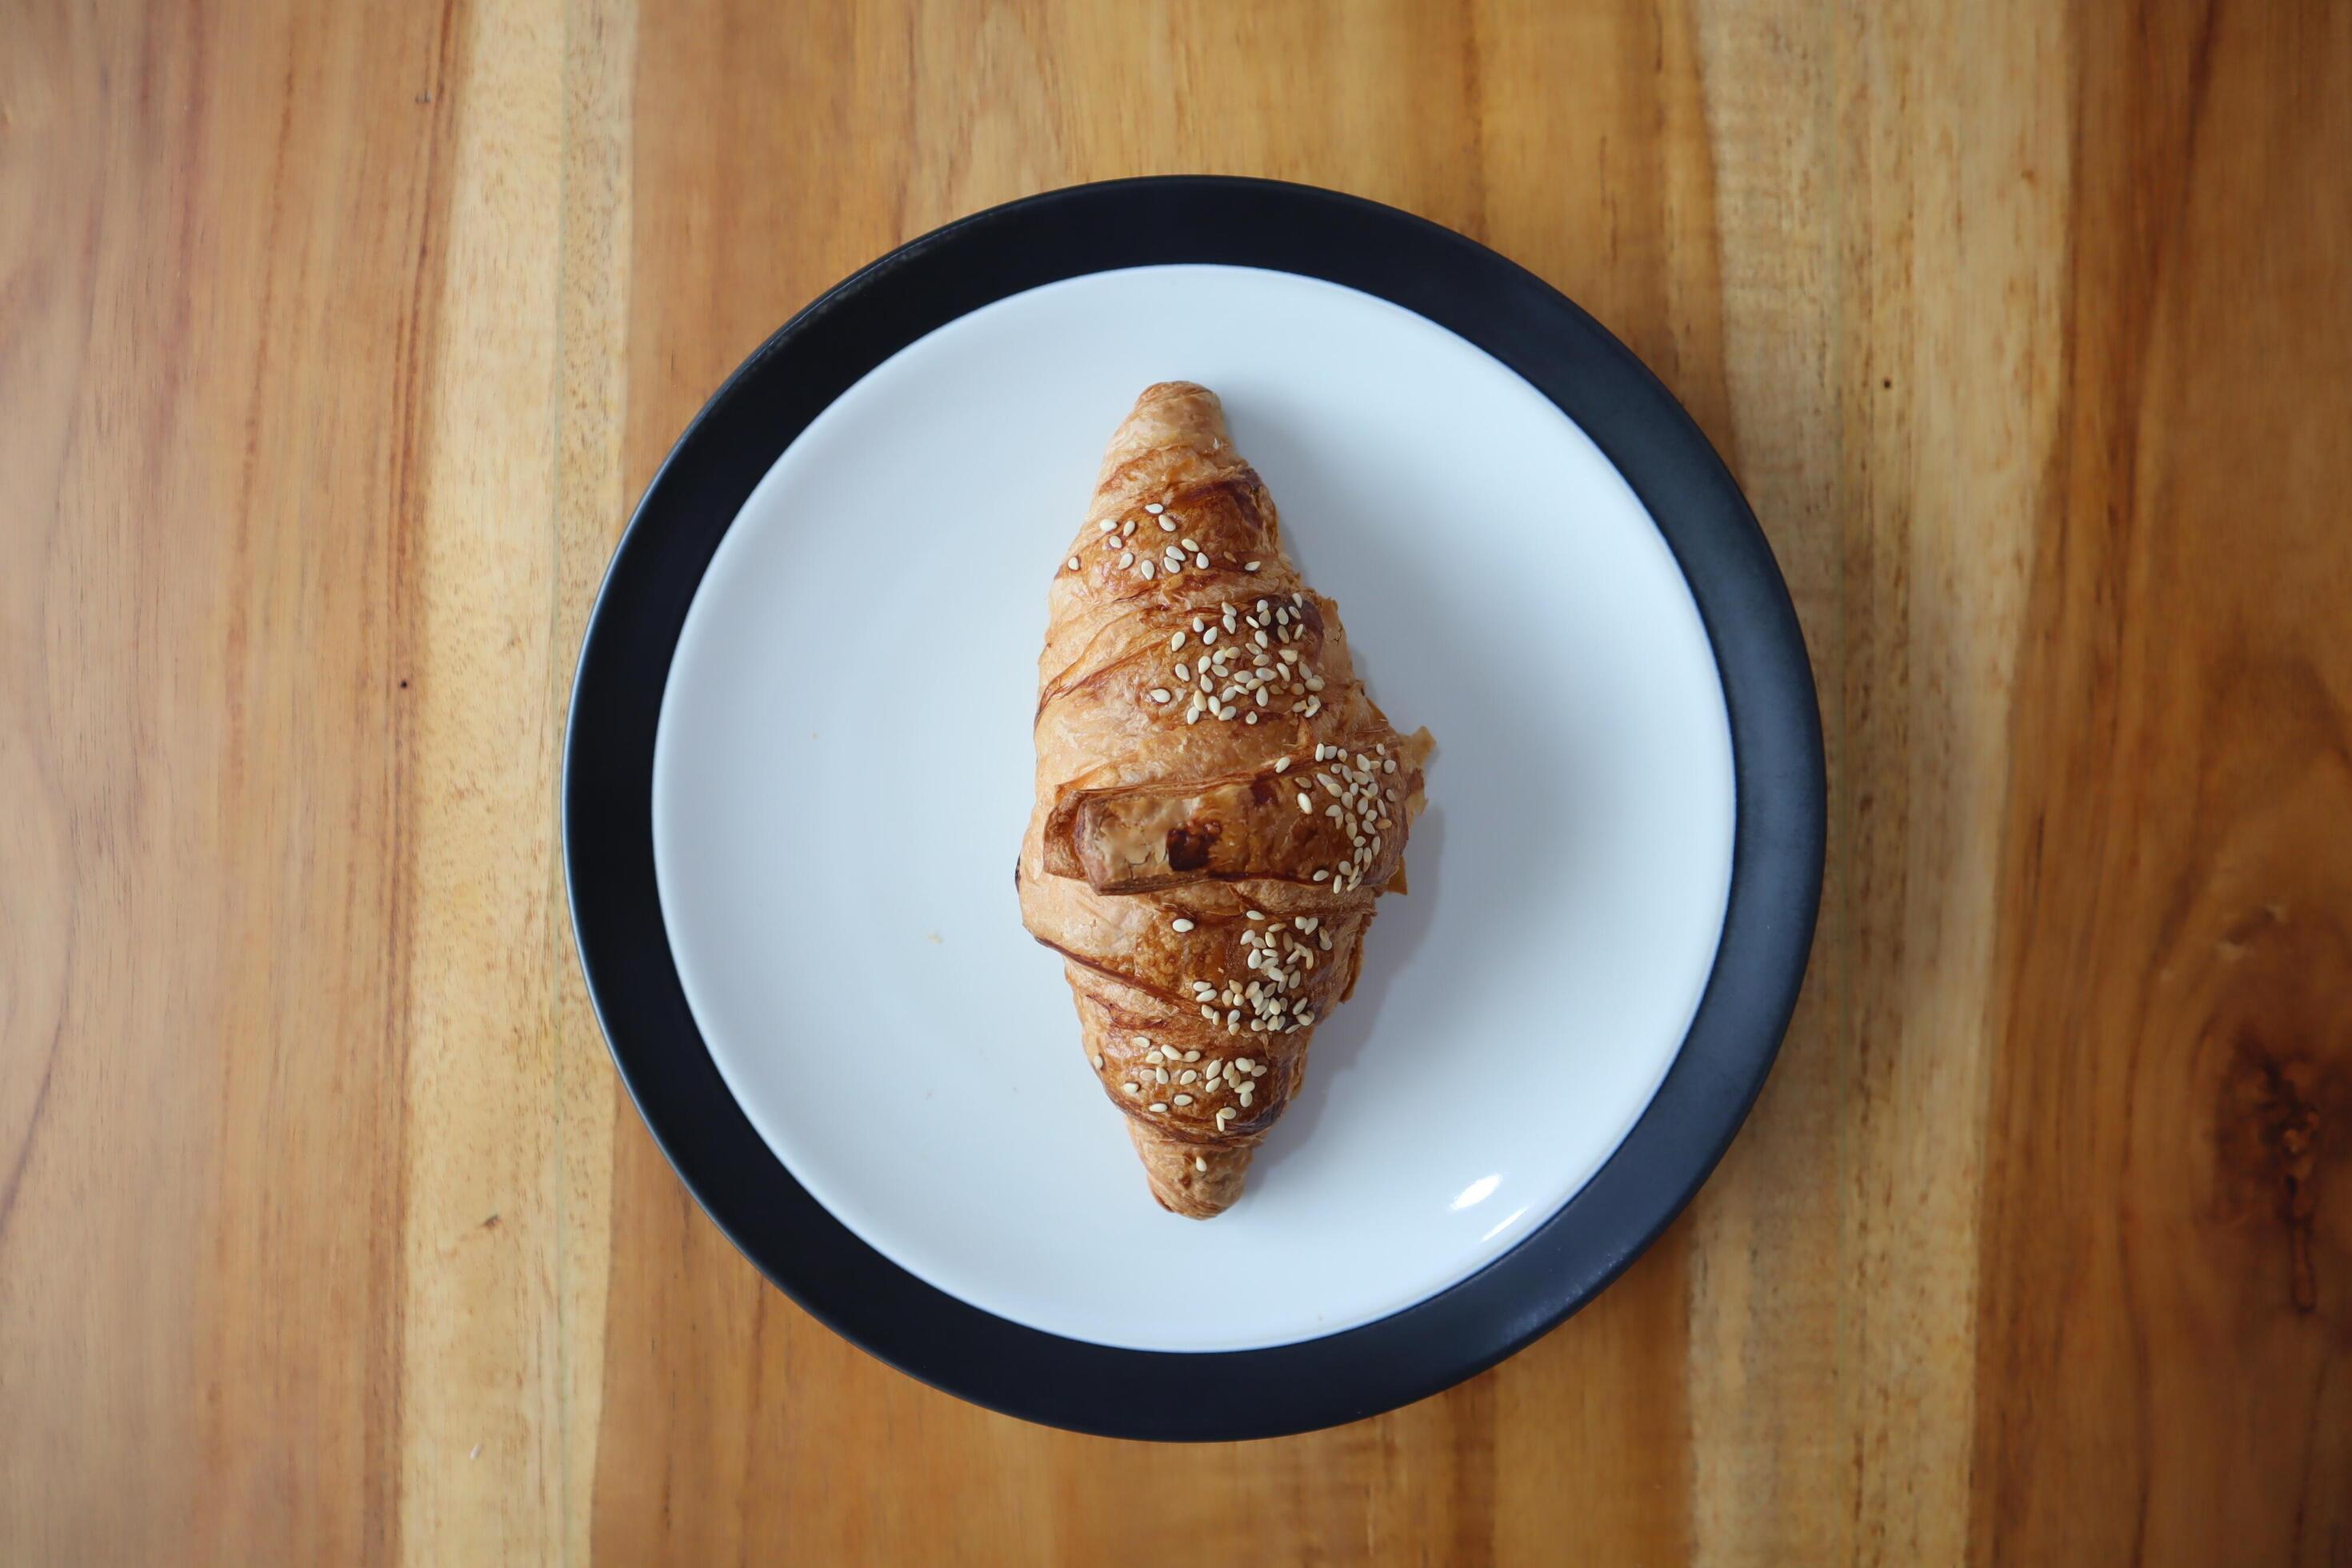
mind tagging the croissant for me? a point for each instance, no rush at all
(1219, 804)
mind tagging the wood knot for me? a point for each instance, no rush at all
(2281, 1115)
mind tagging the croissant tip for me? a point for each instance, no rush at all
(1191, 1180)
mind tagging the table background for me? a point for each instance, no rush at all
(335, 342)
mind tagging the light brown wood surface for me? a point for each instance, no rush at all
(335, 342)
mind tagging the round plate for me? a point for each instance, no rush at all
(799, 763)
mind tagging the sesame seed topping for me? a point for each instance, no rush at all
(1193, 716)
(1155, 508)
(1388, 766)
(1182, 924)
(1161, 694)
(1145, 570)
(1074, 562)
(1132, 1088)
(1162, 1105)
(1250, 566)
(1199, 1163)
(1210, 635)
(1257, 914)
(1126, 528)
(1188, 1075)
(1196, 623)
(1183, 1100)
(1200, 558)
(1127, 558)
(1209, 1013)
(1226, 1115)
(1322, 876)
(1097, 1059)
(1305, 804)
(1160, 1075)
(1282, 764)
(1192, 1056)
(1108, 524)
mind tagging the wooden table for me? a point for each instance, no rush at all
(335, 342)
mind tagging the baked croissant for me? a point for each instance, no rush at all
(1219, 804)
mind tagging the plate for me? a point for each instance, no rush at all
(799, 764)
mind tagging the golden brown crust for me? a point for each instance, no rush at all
(1218, 802)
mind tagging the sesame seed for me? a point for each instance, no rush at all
(1282, 764)
(1306, 804)
(1145, 569)
(1388, 766)
(1182, 924)
(1199, 1163)
(1250, 566)
(1233, 1017)
(1160, 1075)
(1324, 941)
(1108, 524)
(1192, 717)
(1155, 508)
(1314, 704)
(1192, 1056)
(1322, 876)
(1097, 1059)
(1209, 1013)
(1162, 1105)
(1074, 562)
(1167, 525)
(1208, 637)
(1161, 694)
(1132, 1088)
(1189, 1076)
(1127, 558)
(1190, 543)
(1183, 1100)
(1200, 558)
(1126, 528)
(1226, 1115)
(1227, 711)
(1175, 641)
(1257, 914)
(1196, 623)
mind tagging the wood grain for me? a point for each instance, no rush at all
(334, 342)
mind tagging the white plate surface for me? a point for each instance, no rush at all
(842, 771)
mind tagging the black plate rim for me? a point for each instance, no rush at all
(1777, 859)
